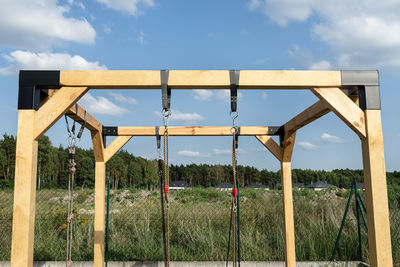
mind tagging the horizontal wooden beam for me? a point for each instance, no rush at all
(200, 79)
(91, 123)
(192, 131)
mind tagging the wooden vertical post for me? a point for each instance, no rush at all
(380, 249)
(24, 191)
(286, 172)
(99, 199)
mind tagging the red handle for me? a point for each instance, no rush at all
(235, 192)
(166, 189)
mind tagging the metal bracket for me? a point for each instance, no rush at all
(165, 91)
(108, 131)
(367, 82)
(234, 81)
(33, 85)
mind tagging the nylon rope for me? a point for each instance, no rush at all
(166, 183)
(234, 202)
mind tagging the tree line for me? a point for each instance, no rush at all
(126, 170)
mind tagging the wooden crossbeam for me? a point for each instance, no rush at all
(193, 131)
(344, 108)
(115, 146)
(271, 145)
(91, 123)
(201, 79)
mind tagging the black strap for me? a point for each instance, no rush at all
(158, 137)
(237, 133)
(82, 127)
(234, 81)
(165, 91)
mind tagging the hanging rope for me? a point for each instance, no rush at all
(73, 138)
(160, 175)
(166, 114)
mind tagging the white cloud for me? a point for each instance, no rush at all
(177, 115)
(127, 6)
(101, 105)
(202, 95)
(218, 151)
(332, 138)
(121, 98)
(189, 153)
(321, 65)
(39, 24)
(307, 146)
(225, 95)
(363, 33)
(106, 28)
(28, 60)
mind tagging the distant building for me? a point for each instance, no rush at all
(298, 185)
(320, 186)
(224, 186)
(360, 186)
(258, 186)
(178, 185)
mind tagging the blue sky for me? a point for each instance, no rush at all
(248, 34)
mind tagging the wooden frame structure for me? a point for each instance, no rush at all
(44, 96)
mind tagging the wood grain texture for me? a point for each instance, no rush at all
(380, 250)
(91, 123)
(24, 191)
(55, 107)
(288, 146)
(115, 146)
(99, 213)
(200, 79)
(271, 145)
(290, 248)
(98, 146)
(192, 131)
(343, 107)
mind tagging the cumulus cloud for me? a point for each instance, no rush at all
(101, 105)
(177, 115)
(364, 34)
(39, 24)
(321, 65)
(121, 98)
(189, 153)
(130, 7)
(59, 61)
(307, 146)
(202, 95)
(332, 138)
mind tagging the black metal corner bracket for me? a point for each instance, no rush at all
(108, 131)
(234, 82)
(165, 91)
(34, 85)
(367, 82)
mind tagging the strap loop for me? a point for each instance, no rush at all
(165, 91)
(234, 81)
(158, 137)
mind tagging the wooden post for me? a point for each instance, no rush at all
(380, 250)
(286, 172)
(99, 199)
(24, 191)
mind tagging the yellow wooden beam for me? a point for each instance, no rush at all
(98, 145)
(115, 146)
(201, 79)
(24, 191)
(55, 107)
(343, 107)
(380, 250)
(99, 212)
(193, 131)
(91, 123)
(271, 145)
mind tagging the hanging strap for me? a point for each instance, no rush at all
(234, 81)
(165, 91)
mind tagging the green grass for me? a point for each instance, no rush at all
(199, 223)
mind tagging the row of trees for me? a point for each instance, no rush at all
(126, 170)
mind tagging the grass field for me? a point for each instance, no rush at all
(199, 221)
